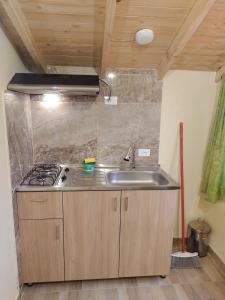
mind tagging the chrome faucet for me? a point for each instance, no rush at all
(130, 157)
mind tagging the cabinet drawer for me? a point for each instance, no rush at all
(39, 205)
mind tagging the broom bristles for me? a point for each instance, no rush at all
(185, 263)
(185, 260)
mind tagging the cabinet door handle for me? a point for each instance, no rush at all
(45, 200)
(115, 204)
(57, 232)
(126, 203)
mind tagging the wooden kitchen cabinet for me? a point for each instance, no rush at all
(91, 234)
(41, 243)
(147, 219)
(82, 235)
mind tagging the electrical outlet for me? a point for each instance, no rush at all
(111, 100)
(144, 152)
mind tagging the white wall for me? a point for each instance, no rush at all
(9, 64)
(189, 96)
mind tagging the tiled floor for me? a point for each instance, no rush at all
(207, 283)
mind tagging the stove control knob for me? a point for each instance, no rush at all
(67, 169)
(63, 178)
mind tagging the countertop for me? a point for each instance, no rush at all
(77, 180)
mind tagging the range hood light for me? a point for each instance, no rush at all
(50, 100)
(111, 75)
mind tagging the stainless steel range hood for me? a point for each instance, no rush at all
(37, 84)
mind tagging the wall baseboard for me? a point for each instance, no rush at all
(217, 261)
(20, 292)
(177, 244)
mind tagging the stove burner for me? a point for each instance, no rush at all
(43, 175)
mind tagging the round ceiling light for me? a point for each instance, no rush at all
(144, 36)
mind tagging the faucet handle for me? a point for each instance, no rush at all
(128, 154)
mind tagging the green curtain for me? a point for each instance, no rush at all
(213, 176)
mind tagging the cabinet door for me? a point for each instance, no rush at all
(42, 250)
(147, 219)
(91, 232)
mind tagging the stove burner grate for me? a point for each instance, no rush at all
(43, 175)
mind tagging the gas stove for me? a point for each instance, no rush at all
(45, 175)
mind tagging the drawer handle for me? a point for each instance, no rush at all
(115, 204)
(126, 203)
(40, 201)
(57, 232)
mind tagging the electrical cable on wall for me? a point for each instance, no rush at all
(108, 86)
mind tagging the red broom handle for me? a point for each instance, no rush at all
(183, 246)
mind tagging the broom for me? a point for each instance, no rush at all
(183, 259)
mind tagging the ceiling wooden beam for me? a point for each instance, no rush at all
(18, 31)
(220, 73)
(110, 12)
(192, 22)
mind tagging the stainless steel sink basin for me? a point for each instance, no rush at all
(137, 178)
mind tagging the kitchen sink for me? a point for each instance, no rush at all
(137, 178)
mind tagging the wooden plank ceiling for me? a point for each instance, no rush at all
(189, 34)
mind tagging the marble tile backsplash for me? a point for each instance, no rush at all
(84, 126)
(80, 127)
(135, 86)
(19, 130)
